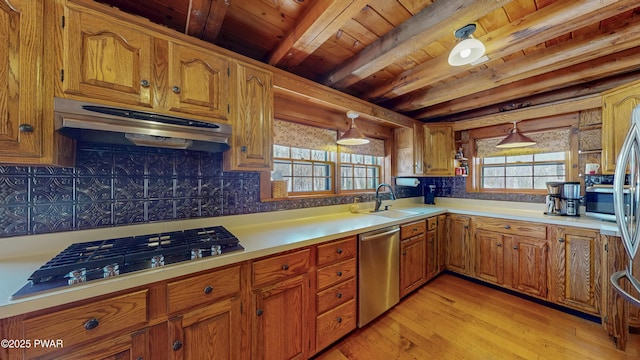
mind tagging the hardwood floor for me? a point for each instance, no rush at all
(453, 318)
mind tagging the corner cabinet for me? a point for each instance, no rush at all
(26, 107)
(252, 140)
(458, 254)
(617, 106)
(438, 150)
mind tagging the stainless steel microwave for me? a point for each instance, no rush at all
(599, 202)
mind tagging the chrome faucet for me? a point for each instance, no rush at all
(379, 199)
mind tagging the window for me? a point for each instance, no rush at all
(529, 172)
(522, 170)
(307, 170)
(359, 172)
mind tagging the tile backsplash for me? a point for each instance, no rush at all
(120, 185)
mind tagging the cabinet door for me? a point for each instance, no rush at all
(408, 151)
(252, 141)
(211, 332)
(282, 320)
(199, 82)
(528, 265)
(412, 263)
(617, 106)
(433, 266)
(438, 150)
(21, 132)
(577, 269)
(443, 235)
(458, 243)
(489, 256)
(107, 60)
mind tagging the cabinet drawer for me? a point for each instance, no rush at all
(412, 229)
(336, 251)
(512, 227)
(335, 324)
(203, 289)
(83, 323)
(333, 274)
(432, 223)
(336, 295)
(276, 268)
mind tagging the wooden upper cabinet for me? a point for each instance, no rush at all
(617, 106)
(408, 159)
(252, 140)
(106, 59)
(199, 82)
(21, 76)
(438, 150)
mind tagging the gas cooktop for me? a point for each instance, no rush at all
(94, 260)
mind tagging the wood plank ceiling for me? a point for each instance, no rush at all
(394, 52)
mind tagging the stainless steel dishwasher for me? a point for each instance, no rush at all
(378, 272)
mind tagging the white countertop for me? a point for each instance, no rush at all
(260, 234)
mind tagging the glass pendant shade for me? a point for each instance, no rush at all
(353, 136)
(515, 139)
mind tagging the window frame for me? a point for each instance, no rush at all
(312, 162)
(532, 163)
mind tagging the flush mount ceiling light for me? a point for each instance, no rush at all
(468, 50)
(353, 136)
(515, 139)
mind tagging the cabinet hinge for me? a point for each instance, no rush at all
(228, 72)
(61, 74)
(240, 307)
(62, 21)
(228, 108)
(606, 247)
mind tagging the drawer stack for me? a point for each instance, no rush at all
(335, 290)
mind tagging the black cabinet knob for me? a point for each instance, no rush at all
(285, 267)
(259, 312)
(339, 319)
(507, 227)
(561, 240)
(27, 128)
(177, 345)
(515, 248)
(176, 89)
(339, 251)
(339, 273)
(91, 324)
(339, 295)
(208, 290)
(144, 83)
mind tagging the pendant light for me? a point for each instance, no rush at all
(515, 139)
(468, 50)
(353, 136)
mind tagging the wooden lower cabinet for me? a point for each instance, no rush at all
(516, 262)
(457, 246)
(130, 346)
(413, 256)
(280, 320)
(432, 248)
(578, 269)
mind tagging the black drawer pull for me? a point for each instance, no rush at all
(208, 290)
(339, 295)
(339, 251)
(144, 83)
(91, 324)
(285, 267)
(507, 227)
(259, 312)
(339, 319)
(177, 345)
(25, 128)
(339, 273)
(561, 240)
(176, 89)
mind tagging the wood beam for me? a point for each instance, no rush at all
(323, 19)
(295, 87)
(534, 112)
(205, 18)
(581, 49)
(547, 23)
(531, 91)
(434, 22)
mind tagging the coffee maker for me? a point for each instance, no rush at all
(563, 198)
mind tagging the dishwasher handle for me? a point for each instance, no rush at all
(366, 237)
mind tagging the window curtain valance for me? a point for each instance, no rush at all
(311, 137)
(546, 141)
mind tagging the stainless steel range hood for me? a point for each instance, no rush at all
(114, 125)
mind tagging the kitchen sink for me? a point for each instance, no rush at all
(395, 214)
